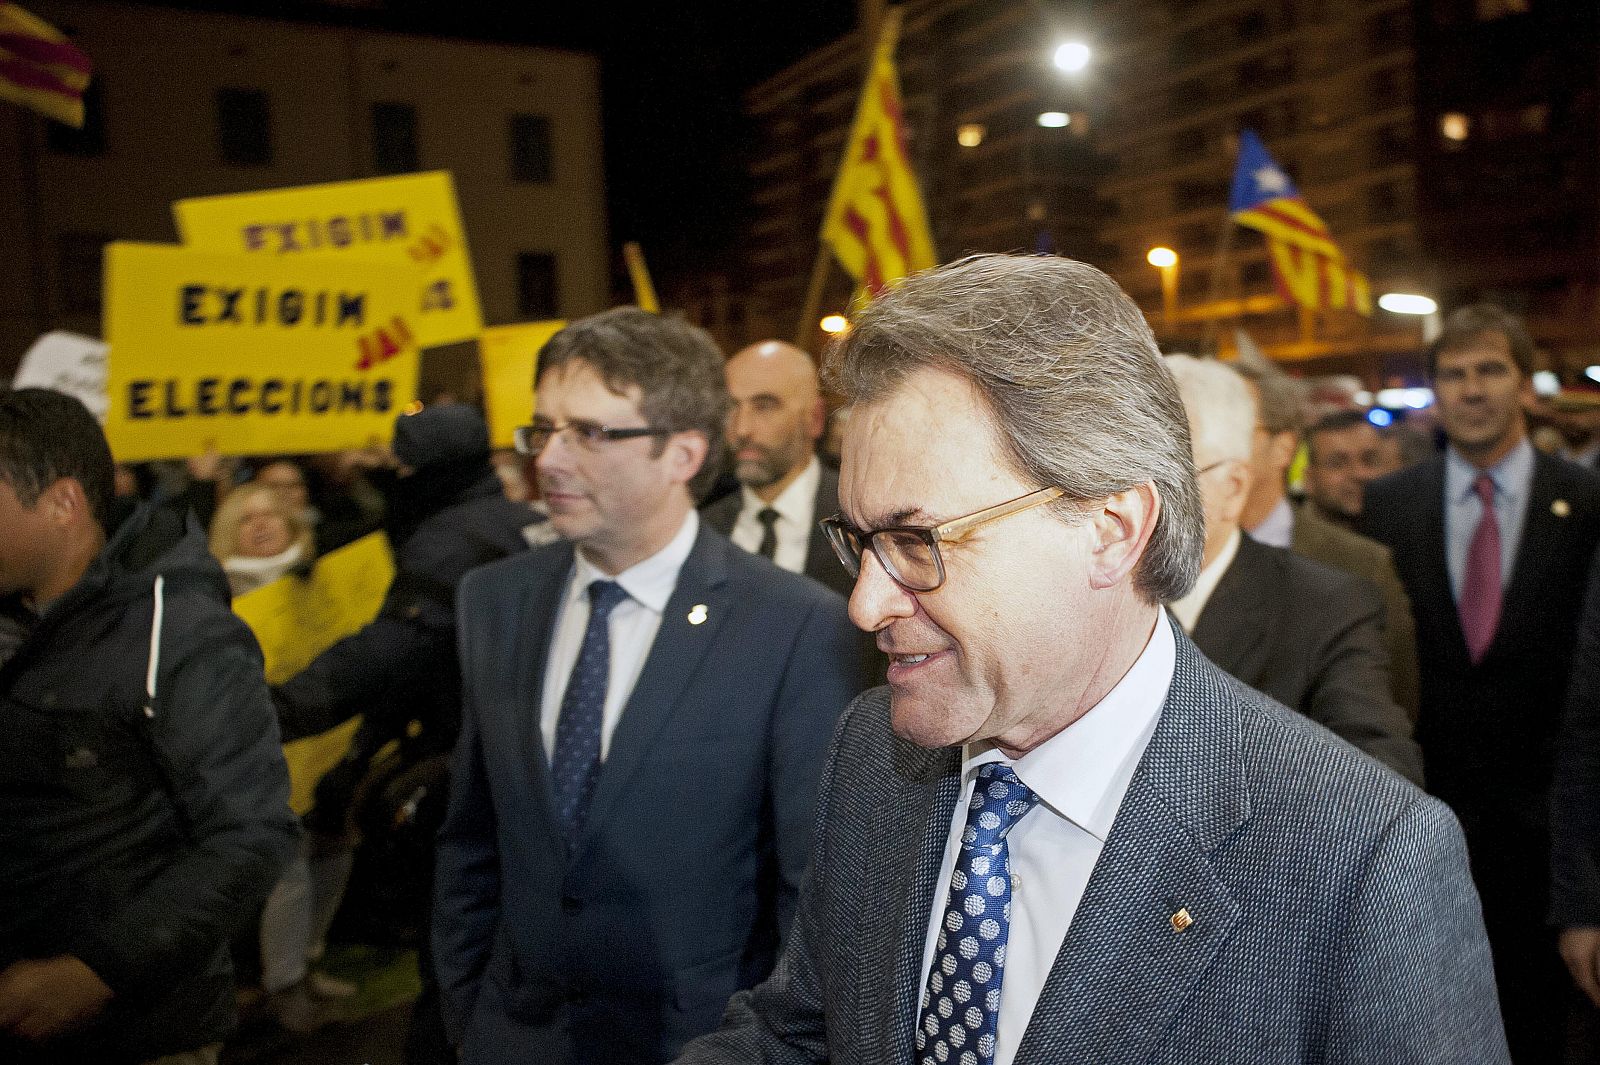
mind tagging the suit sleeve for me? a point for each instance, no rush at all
(783, 1021)
(1350, 690)
(1575, 800)
(466, 900)
(215, 741)
(823, 676)
(1415, 976)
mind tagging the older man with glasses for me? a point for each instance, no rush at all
(1061, 834)
(646, 710)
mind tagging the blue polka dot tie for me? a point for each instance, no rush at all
(576, 761)
(961, 1004)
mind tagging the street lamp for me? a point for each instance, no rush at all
(1166, 260)
(834, 323)
(1421, 306)
(1072, 56)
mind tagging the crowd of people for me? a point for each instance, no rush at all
(1080, 703)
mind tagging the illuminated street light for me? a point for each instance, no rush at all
(1072, 56)
(835, 323)
(1166, 260)
(971, 134)
(1407, 303)
(1054, 119)
(1455, 126)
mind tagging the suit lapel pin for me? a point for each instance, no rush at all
(1560, 508)
(1181, 921)
(697, 614)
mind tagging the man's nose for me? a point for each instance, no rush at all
(877, 599)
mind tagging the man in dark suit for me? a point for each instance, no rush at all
(1061, 835)
(784, 491)
(1306, 634)
(646, 710)
(1496, 591)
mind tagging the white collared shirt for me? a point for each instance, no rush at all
(796, 507)
(1080, 775)
(1188, 609)
(632, 626)
(1277, 528)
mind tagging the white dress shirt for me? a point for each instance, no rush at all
(632, 627)
(796, 507)
(1080, 775)
(1188, 609)
(1277, 528)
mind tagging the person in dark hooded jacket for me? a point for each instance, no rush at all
(143, 794)
(446, 513)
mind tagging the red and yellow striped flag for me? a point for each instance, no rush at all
(875, 223)
(39, 67)
(1309, 267)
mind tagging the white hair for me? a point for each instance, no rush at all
(1222, 410)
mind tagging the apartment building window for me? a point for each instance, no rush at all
(537, 293)
(1189, 195)
(394, 138)
(79, 258)
(530, 149)
(1255, 275)
(1489, 10)
(88, 142)
(244, 127)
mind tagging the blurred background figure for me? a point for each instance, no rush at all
(1343, 452)
(258, 538)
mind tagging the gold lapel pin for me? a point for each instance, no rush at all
(1181, 921)
(697, 614)
(1560, 508)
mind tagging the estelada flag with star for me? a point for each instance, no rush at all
(875, 224)
(1309, 267)
(39, 67)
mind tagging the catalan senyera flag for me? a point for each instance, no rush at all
(1310, 269)
(39, 67)
(876, 225)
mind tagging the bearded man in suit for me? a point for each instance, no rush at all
(1060, 834)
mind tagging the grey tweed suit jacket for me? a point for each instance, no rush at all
(1334, 917)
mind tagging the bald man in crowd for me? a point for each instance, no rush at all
(784, 491)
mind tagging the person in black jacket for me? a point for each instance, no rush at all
(144, 790)
(447, 513)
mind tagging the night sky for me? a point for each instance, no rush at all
(673, 75)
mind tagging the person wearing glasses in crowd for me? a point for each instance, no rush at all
(1060, 833)
(646, 710)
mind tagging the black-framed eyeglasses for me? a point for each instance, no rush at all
(531, 439)
(910, 555)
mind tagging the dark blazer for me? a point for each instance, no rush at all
(1332, 544)
(821, 563)
(1334, 920)
(675, 895)
(1575, 799)
(1488, 730)
(1312, 637)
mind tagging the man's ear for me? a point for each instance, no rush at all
(66, 503)
(817, 420)
(1119, 533)
(685, 454)
(1282, 447)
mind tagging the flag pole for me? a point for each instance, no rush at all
(888, 22)
(1218, 262)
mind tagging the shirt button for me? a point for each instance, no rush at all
(1016, 882)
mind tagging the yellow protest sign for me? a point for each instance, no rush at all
(508, 353)
(295, 619)
(252, 355)
(411, 220)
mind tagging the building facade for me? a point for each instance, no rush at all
(185, 103)
(1347, 96)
